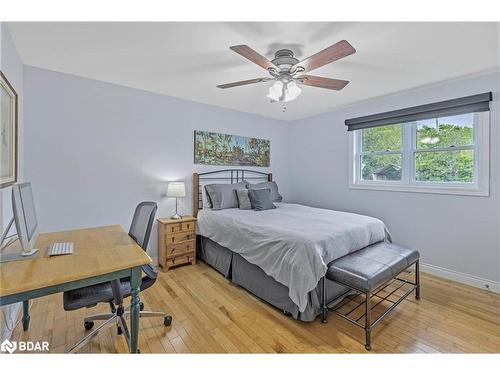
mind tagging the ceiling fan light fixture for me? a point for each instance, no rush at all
(284, 91)
(276, 91)
(292, 91)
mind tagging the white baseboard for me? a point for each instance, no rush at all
(478, 282)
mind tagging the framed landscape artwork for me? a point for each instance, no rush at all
(8, 133)
(225, 149)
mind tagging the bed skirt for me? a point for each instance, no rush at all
(252, 278)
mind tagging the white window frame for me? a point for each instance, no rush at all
(479, 187)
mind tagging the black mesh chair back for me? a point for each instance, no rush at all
(140, 229)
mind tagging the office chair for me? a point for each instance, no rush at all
(114, 292)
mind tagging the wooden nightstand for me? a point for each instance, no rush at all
(176, 242)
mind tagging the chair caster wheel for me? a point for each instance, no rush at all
(167, 321)
(324, 321)
(88, 325)
(138, 351)
(141, 306)
(368, 347)
(119, 330)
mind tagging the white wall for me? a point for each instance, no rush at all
(94, 150)
(459, 233)
(12, 67)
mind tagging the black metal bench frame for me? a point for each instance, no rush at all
(369, 325)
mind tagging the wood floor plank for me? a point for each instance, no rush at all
(213, 315)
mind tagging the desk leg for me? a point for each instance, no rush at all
(135, 284)
(26, 315)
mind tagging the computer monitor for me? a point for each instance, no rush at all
(23, 206)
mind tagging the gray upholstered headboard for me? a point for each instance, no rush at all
(223, 176)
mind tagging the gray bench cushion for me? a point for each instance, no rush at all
(372, 266)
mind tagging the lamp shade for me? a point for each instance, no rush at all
(176, 189)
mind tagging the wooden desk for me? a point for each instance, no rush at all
(99, 255)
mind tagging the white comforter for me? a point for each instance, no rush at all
(292, 243)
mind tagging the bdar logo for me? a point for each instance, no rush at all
(8, 346)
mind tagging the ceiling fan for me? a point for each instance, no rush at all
(286, 71)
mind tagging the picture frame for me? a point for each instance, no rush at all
(9, 117)
(211, 148)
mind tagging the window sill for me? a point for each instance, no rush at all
(451, 190)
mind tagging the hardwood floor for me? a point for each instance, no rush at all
(212, 315)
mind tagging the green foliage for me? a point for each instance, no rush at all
(437, 166)
(448, 135)
(444, 166)
(376, 163)
(382, 138)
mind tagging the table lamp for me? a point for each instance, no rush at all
(176, 190)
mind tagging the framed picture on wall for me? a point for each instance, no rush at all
(226, 149)
(8, 132)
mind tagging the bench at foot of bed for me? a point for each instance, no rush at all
(369, 272)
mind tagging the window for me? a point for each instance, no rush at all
(446, 154)
(381, 153)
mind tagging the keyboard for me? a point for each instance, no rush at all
(60, 248)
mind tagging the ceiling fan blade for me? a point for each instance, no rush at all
(324, 83)
(253, 56)
(328, 55)
(241, 83)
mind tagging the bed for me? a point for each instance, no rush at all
(278, 255)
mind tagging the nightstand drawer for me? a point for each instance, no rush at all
(181, 227)
(181, 248)
(188, 226)
(172, 238)
(182, 259)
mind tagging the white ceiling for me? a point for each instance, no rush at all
(187, 60)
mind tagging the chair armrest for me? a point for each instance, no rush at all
(150, 271)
